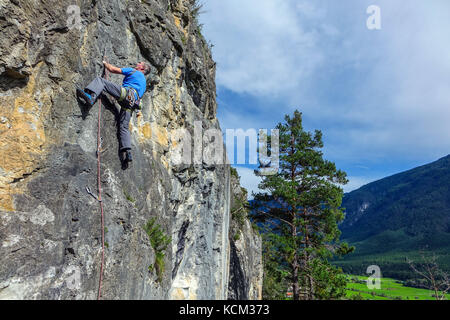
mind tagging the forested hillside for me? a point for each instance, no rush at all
(396, 217)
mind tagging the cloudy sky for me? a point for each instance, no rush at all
(380, 97)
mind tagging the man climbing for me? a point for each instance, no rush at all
(128, 95)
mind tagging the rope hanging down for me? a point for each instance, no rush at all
(99, 143)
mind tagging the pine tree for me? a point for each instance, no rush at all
(301, 203)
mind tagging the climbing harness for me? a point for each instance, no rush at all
(129, 99)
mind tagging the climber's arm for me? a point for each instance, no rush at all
(111, 68)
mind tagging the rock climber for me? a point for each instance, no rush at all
(128, 96)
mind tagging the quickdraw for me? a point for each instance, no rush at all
(88, 190)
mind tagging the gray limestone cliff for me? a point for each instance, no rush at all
(50, 227)
(246, 267)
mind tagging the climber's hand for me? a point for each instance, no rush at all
(138, 114)
(111, 68)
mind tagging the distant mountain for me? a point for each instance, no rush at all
(393, 218)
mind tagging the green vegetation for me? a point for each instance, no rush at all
(394, 218)
(276, 277)
(255, 227)
(106, 243)
(415, 201)
(196, 10)
(239, 211)
(128, 196)
(234, 173)
(300, 212)
(195, 13)
(159, 242)
(391, 289)
(392, 263)
(183, 39)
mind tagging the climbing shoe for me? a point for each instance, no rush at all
(85, 97)
(124, 164)
(126, 158)
(129, 158)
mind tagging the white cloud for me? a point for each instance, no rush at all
(376, 95)
(402, 105)
(260, 46)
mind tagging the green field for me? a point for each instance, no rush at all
(391, 289)
(392, 263)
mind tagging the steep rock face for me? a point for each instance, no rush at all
(246, 267)
(50, 227)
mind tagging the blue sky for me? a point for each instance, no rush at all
(380, 97)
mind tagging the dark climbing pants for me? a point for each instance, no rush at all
(124, 133)
(97, 86)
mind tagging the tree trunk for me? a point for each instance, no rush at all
(295, 267)
(310, 289)
(295, 262)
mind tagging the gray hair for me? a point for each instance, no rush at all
(147, 68)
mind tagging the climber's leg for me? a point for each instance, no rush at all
(124, 138)
(124, 133)
(99, 84)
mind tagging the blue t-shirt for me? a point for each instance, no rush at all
(135, 80)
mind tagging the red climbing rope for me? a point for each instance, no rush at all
(99, 143)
